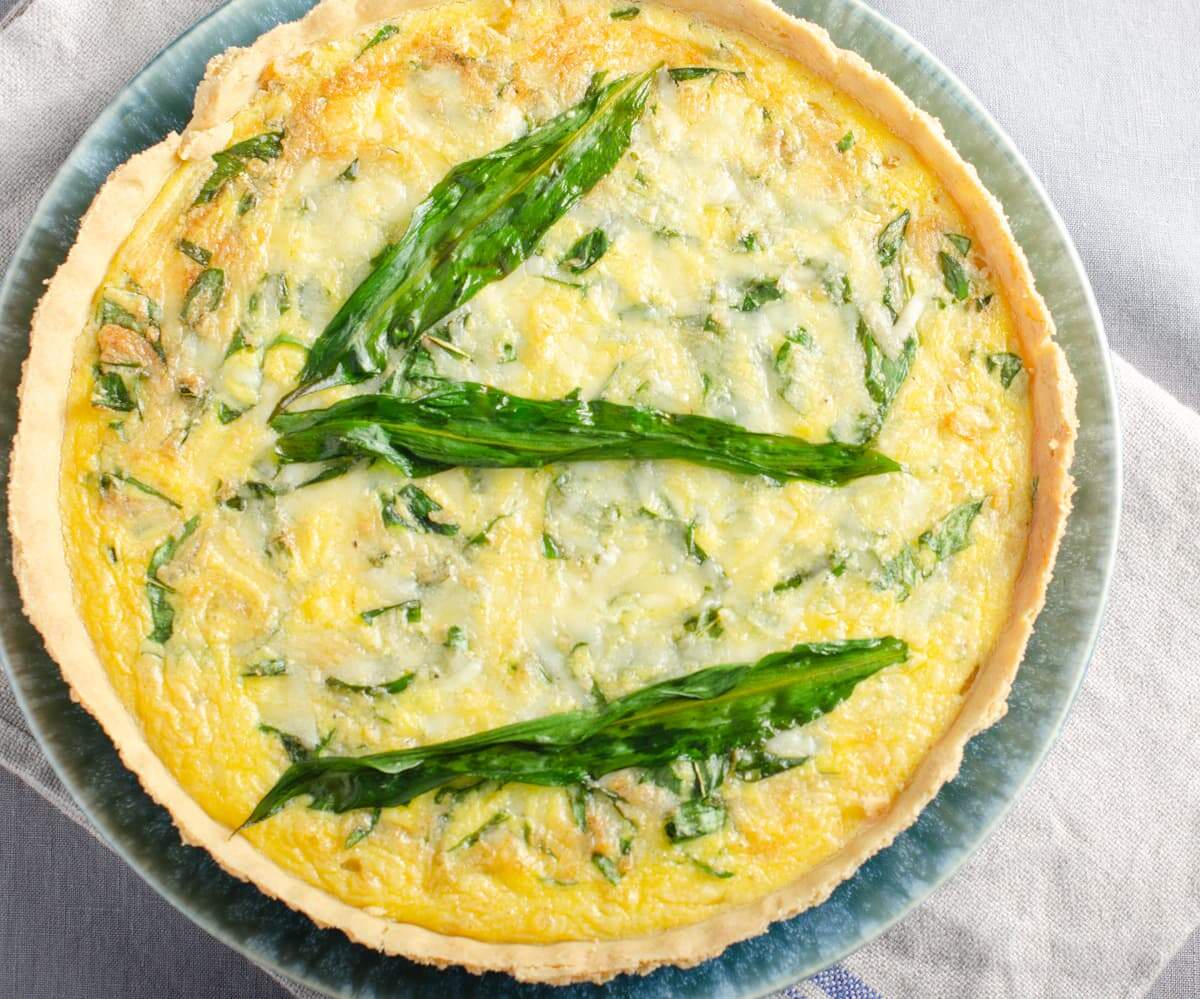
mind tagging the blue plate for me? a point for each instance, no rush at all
(998, 764)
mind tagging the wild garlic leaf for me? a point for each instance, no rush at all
(464, 423)
(475, 227)
(714, 712)
(232, 161)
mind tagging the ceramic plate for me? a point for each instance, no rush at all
(998, 763)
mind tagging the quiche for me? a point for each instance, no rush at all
(544, 487)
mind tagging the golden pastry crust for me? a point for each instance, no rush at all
(45, 580)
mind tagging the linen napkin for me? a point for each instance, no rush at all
(1092, 881)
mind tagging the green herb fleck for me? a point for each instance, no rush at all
(237, 343)
(953, 276)
(118, 315)
(382, 35)
(362, 832)
(421, 506)
(585, 251)
(411, 608)
(845, 142)
(709, 869)
(883, 376)
(296, 751)
(607, 867)
(232, 161)
(107, 479)
(110, 391)
(917, 561)
(695, 818)
(887, 245)
(481, 537)
(681, 74)
(196, 253)
(267, 667)
(471, 839)
(162, 612)
(959, 242)
(624, 13)
(706, 624)
(370, 689)
(227, 414)
(550, 547)
(757, 293)
(204, 295)
(1007, 365)
(350, 174)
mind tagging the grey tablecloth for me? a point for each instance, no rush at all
(1101, 96)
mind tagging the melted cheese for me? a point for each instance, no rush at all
(714, 162)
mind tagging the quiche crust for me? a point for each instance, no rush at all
(45, 580)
